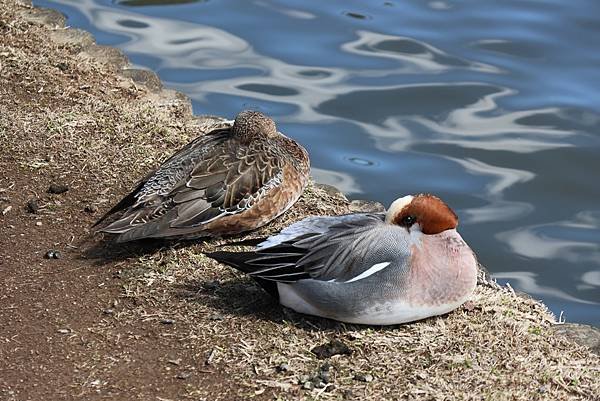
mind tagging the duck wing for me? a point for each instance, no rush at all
(211, 177)
(340, 248)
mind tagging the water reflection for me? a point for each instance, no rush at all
(415, 56)
(528, 282)
(549, 241)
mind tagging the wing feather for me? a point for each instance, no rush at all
(339, 250)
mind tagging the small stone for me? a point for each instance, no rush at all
(167, 321)
(325, 377)
(57, 189)
(108, 311)
(32, 206)
(62, 66)
(308, 385)
(282, 367)
(38, 223)
(331, 191)
(52, 254)
(334, 347)
(183, 375)
(469, 306)
(63, 331)
(319, 384)
(303, 379)
(363, 378)
(90, 208)
(6, 210)
(366, 206)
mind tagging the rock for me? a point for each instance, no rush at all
(308, 385)
(363, 378)
(183, 375)
(366, 206)
(71, 37)
(62, 66)
(581, 334)
(90, 208)
(167, 321)
(43, 16)
(57, 189)
(32, 206)
(52, 254)
(282, 367)
(325, 377)
(331, 190)
(106, 55)
(38, 223)
(334, 347)
(146, 78)
(208, 123)
(108, 311)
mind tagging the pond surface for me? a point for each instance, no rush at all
(493, 106)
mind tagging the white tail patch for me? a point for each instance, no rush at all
(370, 271)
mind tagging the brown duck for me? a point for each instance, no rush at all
(228, 181)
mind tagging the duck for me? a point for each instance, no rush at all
(226, 182)
(406, 264)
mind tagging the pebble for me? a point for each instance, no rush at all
(334, 347)
(183, 375)
(52, 254)
(363, 378)
(308, 385)
(63, 331)
(90, 208)
(38, 223)
(282, 367)
(32, 206)
(108, 311)
(167, 321)
(57, 188)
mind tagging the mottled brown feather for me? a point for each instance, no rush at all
(228, 181)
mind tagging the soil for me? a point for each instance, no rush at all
(95, 320)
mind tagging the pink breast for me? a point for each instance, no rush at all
(443, 270)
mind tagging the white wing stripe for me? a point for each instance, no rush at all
(371, 270)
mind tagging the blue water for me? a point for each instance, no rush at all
(494, 106)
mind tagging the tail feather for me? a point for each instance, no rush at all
(238, 261)
(125, 203)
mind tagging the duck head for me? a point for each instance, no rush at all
(249, 125)
(424, 212)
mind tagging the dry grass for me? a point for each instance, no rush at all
(79, 122)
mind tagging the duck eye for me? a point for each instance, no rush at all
(408, 220)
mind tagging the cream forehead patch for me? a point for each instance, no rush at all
(397, 206)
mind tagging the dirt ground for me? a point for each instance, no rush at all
(159, 321)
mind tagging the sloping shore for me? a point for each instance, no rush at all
(165, 323)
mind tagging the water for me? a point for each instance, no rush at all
(494, 106)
